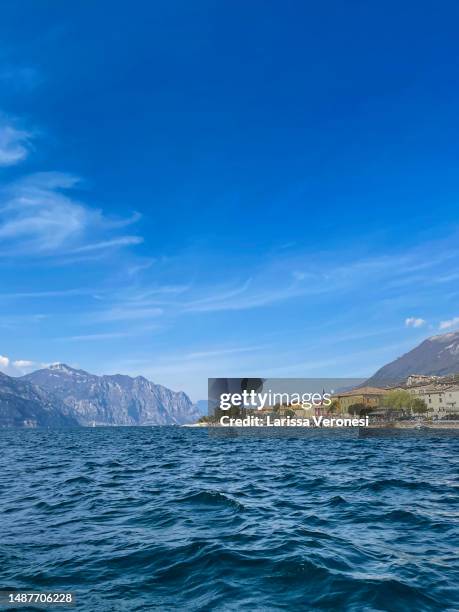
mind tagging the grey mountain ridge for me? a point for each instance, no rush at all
(23, 404)
(114, 399)
(437, 355)
(75, 397)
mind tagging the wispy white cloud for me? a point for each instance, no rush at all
(109, 244)
(15, 145)
(270, 283)
(96, 337)
(316, 275)
(45, 294)
(414, 322)
(20, 321)
(218, 298)
(219, 352)
(127, 332)
(39, 215)
(139, 267)
(128, 312)
(246, 296)
(454, 322)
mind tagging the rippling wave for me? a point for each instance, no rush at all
(170, 519)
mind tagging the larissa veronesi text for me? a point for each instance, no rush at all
(271, 421)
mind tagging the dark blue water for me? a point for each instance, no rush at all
(170, 519)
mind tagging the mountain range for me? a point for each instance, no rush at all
(59, 396)
(437, 355)
(23, 404)
(63, 396)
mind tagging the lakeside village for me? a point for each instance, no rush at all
(429, 401)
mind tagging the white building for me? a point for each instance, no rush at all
(452, 400)
(441, 400)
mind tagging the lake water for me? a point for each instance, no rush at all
(172, 519)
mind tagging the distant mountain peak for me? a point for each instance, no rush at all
(116, 399)
(66, 369)
(437, 355)
(62, 367)
(443, 338)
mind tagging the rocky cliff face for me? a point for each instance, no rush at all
(437, 355)
(23, 404)
(114, 400)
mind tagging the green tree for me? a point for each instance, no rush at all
(418, 406)
(398, 400)
(403, 401)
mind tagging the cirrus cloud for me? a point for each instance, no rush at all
(14, 145)
(40, 215)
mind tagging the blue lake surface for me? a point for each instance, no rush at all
(172, 519)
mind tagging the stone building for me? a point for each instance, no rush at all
(370, 397)
(441, 400)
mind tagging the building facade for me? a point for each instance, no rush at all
(441, 400)
(370, 397)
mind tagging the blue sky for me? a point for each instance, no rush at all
(223, 189)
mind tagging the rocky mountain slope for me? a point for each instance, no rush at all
(114, 400)
(23, 404)
(437, 355)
